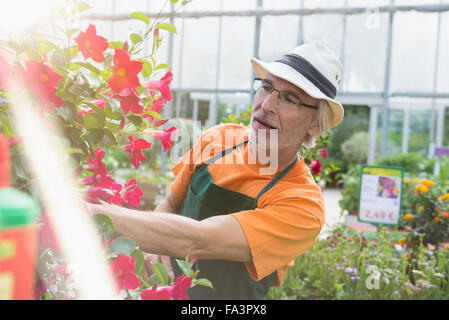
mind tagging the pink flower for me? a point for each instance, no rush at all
(5, 72)
(124, 72)
(323, 153)
(130, 101)
(179, 289)
(156, 106)
(152, 294)
(315, 166)
(91, 45)
(166, 137)
(42, 81)
(123, 270)
(162, 85)
(135, 150)
(100, 177)
(132, 193)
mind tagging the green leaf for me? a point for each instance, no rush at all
(104, 225)
(154, 114)
(109, 138)
(161, 272)
(72, 31)
(95, 136)
(74, 51)
(74, 151)
(141, 16)
(116, 44)
(89, 67)
(94, 121)
(140, 260)
(95, 107)
(152, 280)
(173, 1)
(167, 26)
(80, 7)
(162, 66)
(147, 69)
(135, 38)
(185, 267)
(136, 120)
(67, 111)
(202, 282)
(121, 245)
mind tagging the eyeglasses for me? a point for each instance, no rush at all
(264, 89)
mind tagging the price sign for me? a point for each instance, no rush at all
(380, 194)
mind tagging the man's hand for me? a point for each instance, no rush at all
(148, 268)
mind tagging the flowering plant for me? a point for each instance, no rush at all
(426, 216)
(103, 95)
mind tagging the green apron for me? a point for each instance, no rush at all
(205, 199)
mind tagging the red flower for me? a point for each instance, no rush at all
(315, 166)
(156, 106)
(123, 270)
(100, 177)
(91, 45)
(5, 72)
(130, 100)
(124, 72)
(135, 150)
(42, 81)
(166, 137)
(323, 153)
(132, 193)
(162, 85)
(179, 289)
(152, 294)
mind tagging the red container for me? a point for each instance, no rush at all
(18, 236)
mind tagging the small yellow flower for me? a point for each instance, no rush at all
(428, 183)
(420, 208)
(408, 216)
(408, 228)
(421, 188)
(415, 181)
(406, 180)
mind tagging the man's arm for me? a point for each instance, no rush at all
(170, 204)
(218, 237)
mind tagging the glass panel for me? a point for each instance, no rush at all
(236, 52)
(279, 5)
(443, 61)
(326, 29)
(365, 3)
(415, 2)
(99, 6)
(236, 5)
(128, 6)
(278, 36)
(323, 4)
(365, 54)
(413, 52)
(395, 128)
(203, 5)
(199, 54)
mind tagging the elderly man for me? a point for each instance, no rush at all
(247, 226)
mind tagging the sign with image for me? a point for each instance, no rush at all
(380, 194)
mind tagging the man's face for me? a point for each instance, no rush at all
(292, 121)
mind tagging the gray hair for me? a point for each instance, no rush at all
(324, 118)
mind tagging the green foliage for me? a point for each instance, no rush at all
(355, 149)
(345, 267)
(412, 163)
(350, 181)
(244, 118)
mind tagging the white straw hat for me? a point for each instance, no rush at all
(312, 67)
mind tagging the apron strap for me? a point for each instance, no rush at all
(275, 180)
(225, 152)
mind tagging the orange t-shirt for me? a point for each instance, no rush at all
(288, 217)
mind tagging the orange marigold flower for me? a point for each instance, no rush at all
(436, 219)
(438, 210)
(428, 183)
(445, 214)
(421, 188)
(409, 256)
(408, 216)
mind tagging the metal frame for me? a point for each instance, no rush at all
(374, 100)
